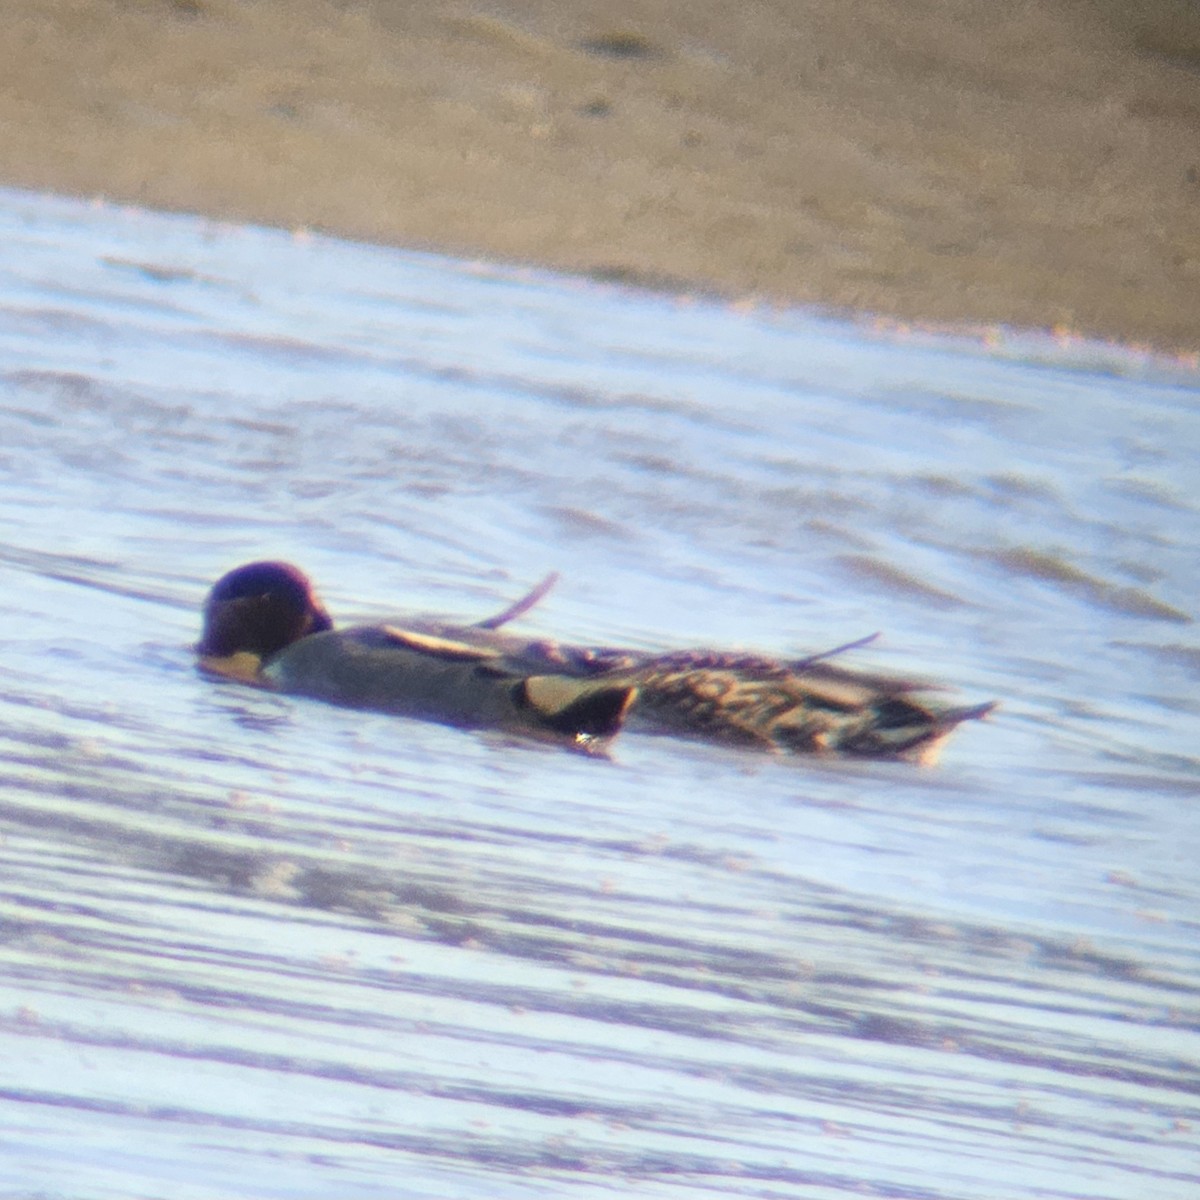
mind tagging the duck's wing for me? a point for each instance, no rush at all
(520, 607)
(801, 706)
(800, 664)
(439, 645)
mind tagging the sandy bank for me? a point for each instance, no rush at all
(1029, 163)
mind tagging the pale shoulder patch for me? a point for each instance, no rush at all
(441, 647)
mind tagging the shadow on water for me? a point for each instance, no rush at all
(253, 945)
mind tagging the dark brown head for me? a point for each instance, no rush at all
(259, 609)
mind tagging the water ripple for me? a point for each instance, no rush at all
(253, 945)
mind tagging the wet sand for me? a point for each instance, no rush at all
(1032, 164)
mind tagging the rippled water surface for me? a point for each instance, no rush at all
(255, 946)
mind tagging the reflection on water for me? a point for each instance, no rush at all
(253, 945)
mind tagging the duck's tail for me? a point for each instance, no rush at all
(582, 709)
(903, 727)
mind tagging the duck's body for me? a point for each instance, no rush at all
(475, 676)
(476, 682)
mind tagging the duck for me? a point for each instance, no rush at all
(264, 625)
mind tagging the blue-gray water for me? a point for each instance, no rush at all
(254, 946)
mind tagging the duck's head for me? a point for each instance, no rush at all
(254, 612)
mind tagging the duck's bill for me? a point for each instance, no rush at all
(243, 666)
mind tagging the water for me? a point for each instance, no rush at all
(252, 945)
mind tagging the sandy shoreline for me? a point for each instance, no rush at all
(1034, 164)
